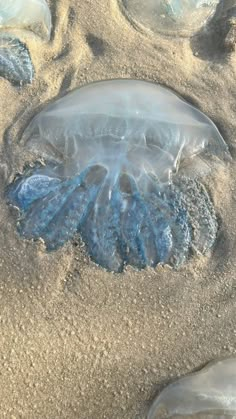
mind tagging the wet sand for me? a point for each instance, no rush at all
(77, 341)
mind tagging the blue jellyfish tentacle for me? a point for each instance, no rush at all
(175, 236)
(39, 215)
(132, 216)
(161, 226)
(101, 232)
(179, 224)
(160, 215)
(204, 221)
(146, 226)
(24, 191)
(141, 228)
(36, 182)
(73, 214)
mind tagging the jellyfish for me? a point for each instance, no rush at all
(15, 61)
(26, 14)
(210, 392)
(177, 17)
(120, 163)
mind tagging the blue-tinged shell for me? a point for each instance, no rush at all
(122, 162)
(15, 62)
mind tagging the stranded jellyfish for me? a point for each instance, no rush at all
(122, 163)
(26, 14)
(34, 15)
(169, 16)
(210, 393)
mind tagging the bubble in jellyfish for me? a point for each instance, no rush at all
(15, 62)
(209, 393)
(174, 17)
(26, 14)
(122, 166)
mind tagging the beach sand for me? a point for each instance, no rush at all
(75, 340)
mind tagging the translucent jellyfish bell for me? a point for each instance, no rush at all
(121, 160)
(128, 125)
(28, 14)
(210, 393)
(177, 17)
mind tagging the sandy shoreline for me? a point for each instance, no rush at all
(79, 342)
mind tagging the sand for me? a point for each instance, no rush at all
(77, 341)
